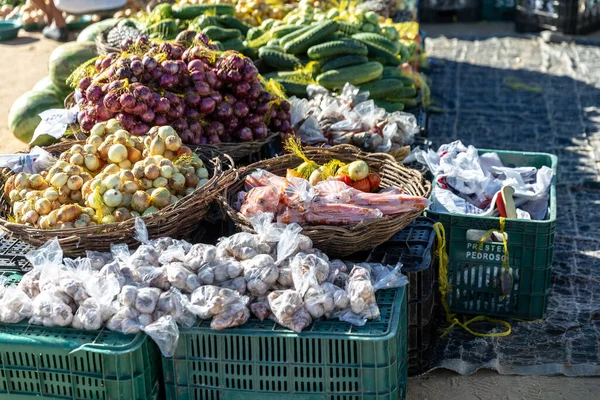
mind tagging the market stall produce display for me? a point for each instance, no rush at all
(166, 283)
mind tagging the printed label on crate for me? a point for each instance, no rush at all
(490, 252)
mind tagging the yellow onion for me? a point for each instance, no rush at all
(202, 173)
(126, 202)
(161, 197)
(88, 211)
(76, 149)
(79, 224)
(23, 193)
(133, 154)
(174, 199)
(140, 201)
(130, 187)
(160, 182)
(17, 207)
(165, 131)
(126, 176)
(59, 180)
(35, 180)
(98, 129)
(112, 125)
(147, 141)
(30, 195)
(21, 181)
(43, 206)
(189, 191)
(30, 217)
(138, 171)
(152, 172)
(112, 198)
(72, 170)
(135, 214)
(14, 195)
(150, 191)
(68, 213)
(95, 141)
(157, 147)
(108, 219)
(166, 171)
(165, 162)
(47, 222)
(65, 225)
(177, 181)
(75, 182)
(111, 169)
(112, 182)
(117, 153)
(173, 143)
(89, 149)
(169, 154)
(91, 162)
(125, 164)
(86, 176)
(201, 182)
(146, 183)
(122, 214)
(51, 194)
(149, 210)
(103, 149)
(76, 196)
(85, 218)
(191, 180)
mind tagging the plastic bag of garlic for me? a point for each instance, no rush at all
(165, 284)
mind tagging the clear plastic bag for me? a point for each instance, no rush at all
(260, 308)
(288, 310)
(238, 284)
(51, 310)
(199, 255)
(98, 259)
(244, 246)
(318, 302)
(175, 304)
(180, 277)
(146, 299)
(260, 273)
(165, 334)
(308, 270)
(125, 320)
(362, 293)
(233, 314)
(15, 306)
(89, 316)
(341, 301)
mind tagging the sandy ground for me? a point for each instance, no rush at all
(25, 61)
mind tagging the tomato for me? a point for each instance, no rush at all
(363, 185)
(374, 180)
(344, 178)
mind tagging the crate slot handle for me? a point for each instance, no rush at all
(506, 278)
(445, 289)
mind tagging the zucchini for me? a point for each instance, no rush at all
(221, 34)
(356, 75)
(377, 39)
(380, 54)
(383, 89)
(345, 61)
(283, 30)
(389, 106)
(294, 35)
(279, 60)
(254, 33)
(402, 94)
(234, 44)
(336, 48)
(192, 11)
(233, 23)
(311, 37)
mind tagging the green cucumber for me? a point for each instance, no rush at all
(380, 54)
(254, 33)
(402, 94)
(279, 60)
(311, 37)
(221, 34)
(336, 48)
(383, 89)
(389, 106)
(356, 75)
(344, 61)
(293, 88)
(192, 11)
(283, 30)
(295, 34)
(234, 23)
(377, 39)
(234, 44)
(395, 73)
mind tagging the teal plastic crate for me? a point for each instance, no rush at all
(330, 360)
(498, 10)
(473, 273)
(38, 362)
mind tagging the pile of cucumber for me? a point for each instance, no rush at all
(355, 50)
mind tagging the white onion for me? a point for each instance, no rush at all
(117, 153)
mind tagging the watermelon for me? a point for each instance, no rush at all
(23, 116)
(46, 84)
(65, 59)
(89, 34)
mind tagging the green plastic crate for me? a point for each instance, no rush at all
(38, 362)
(498, 10)
(472, 274)
(261, 360)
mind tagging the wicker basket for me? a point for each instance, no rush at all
(102, 45)
(178, 220)
(339, 241)
(237, 151)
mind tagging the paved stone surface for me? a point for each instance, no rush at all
(519, 93)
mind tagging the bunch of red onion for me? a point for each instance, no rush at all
(206, 99)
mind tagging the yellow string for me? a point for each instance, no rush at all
(515, 84)
(505, 261)
(445, 288)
